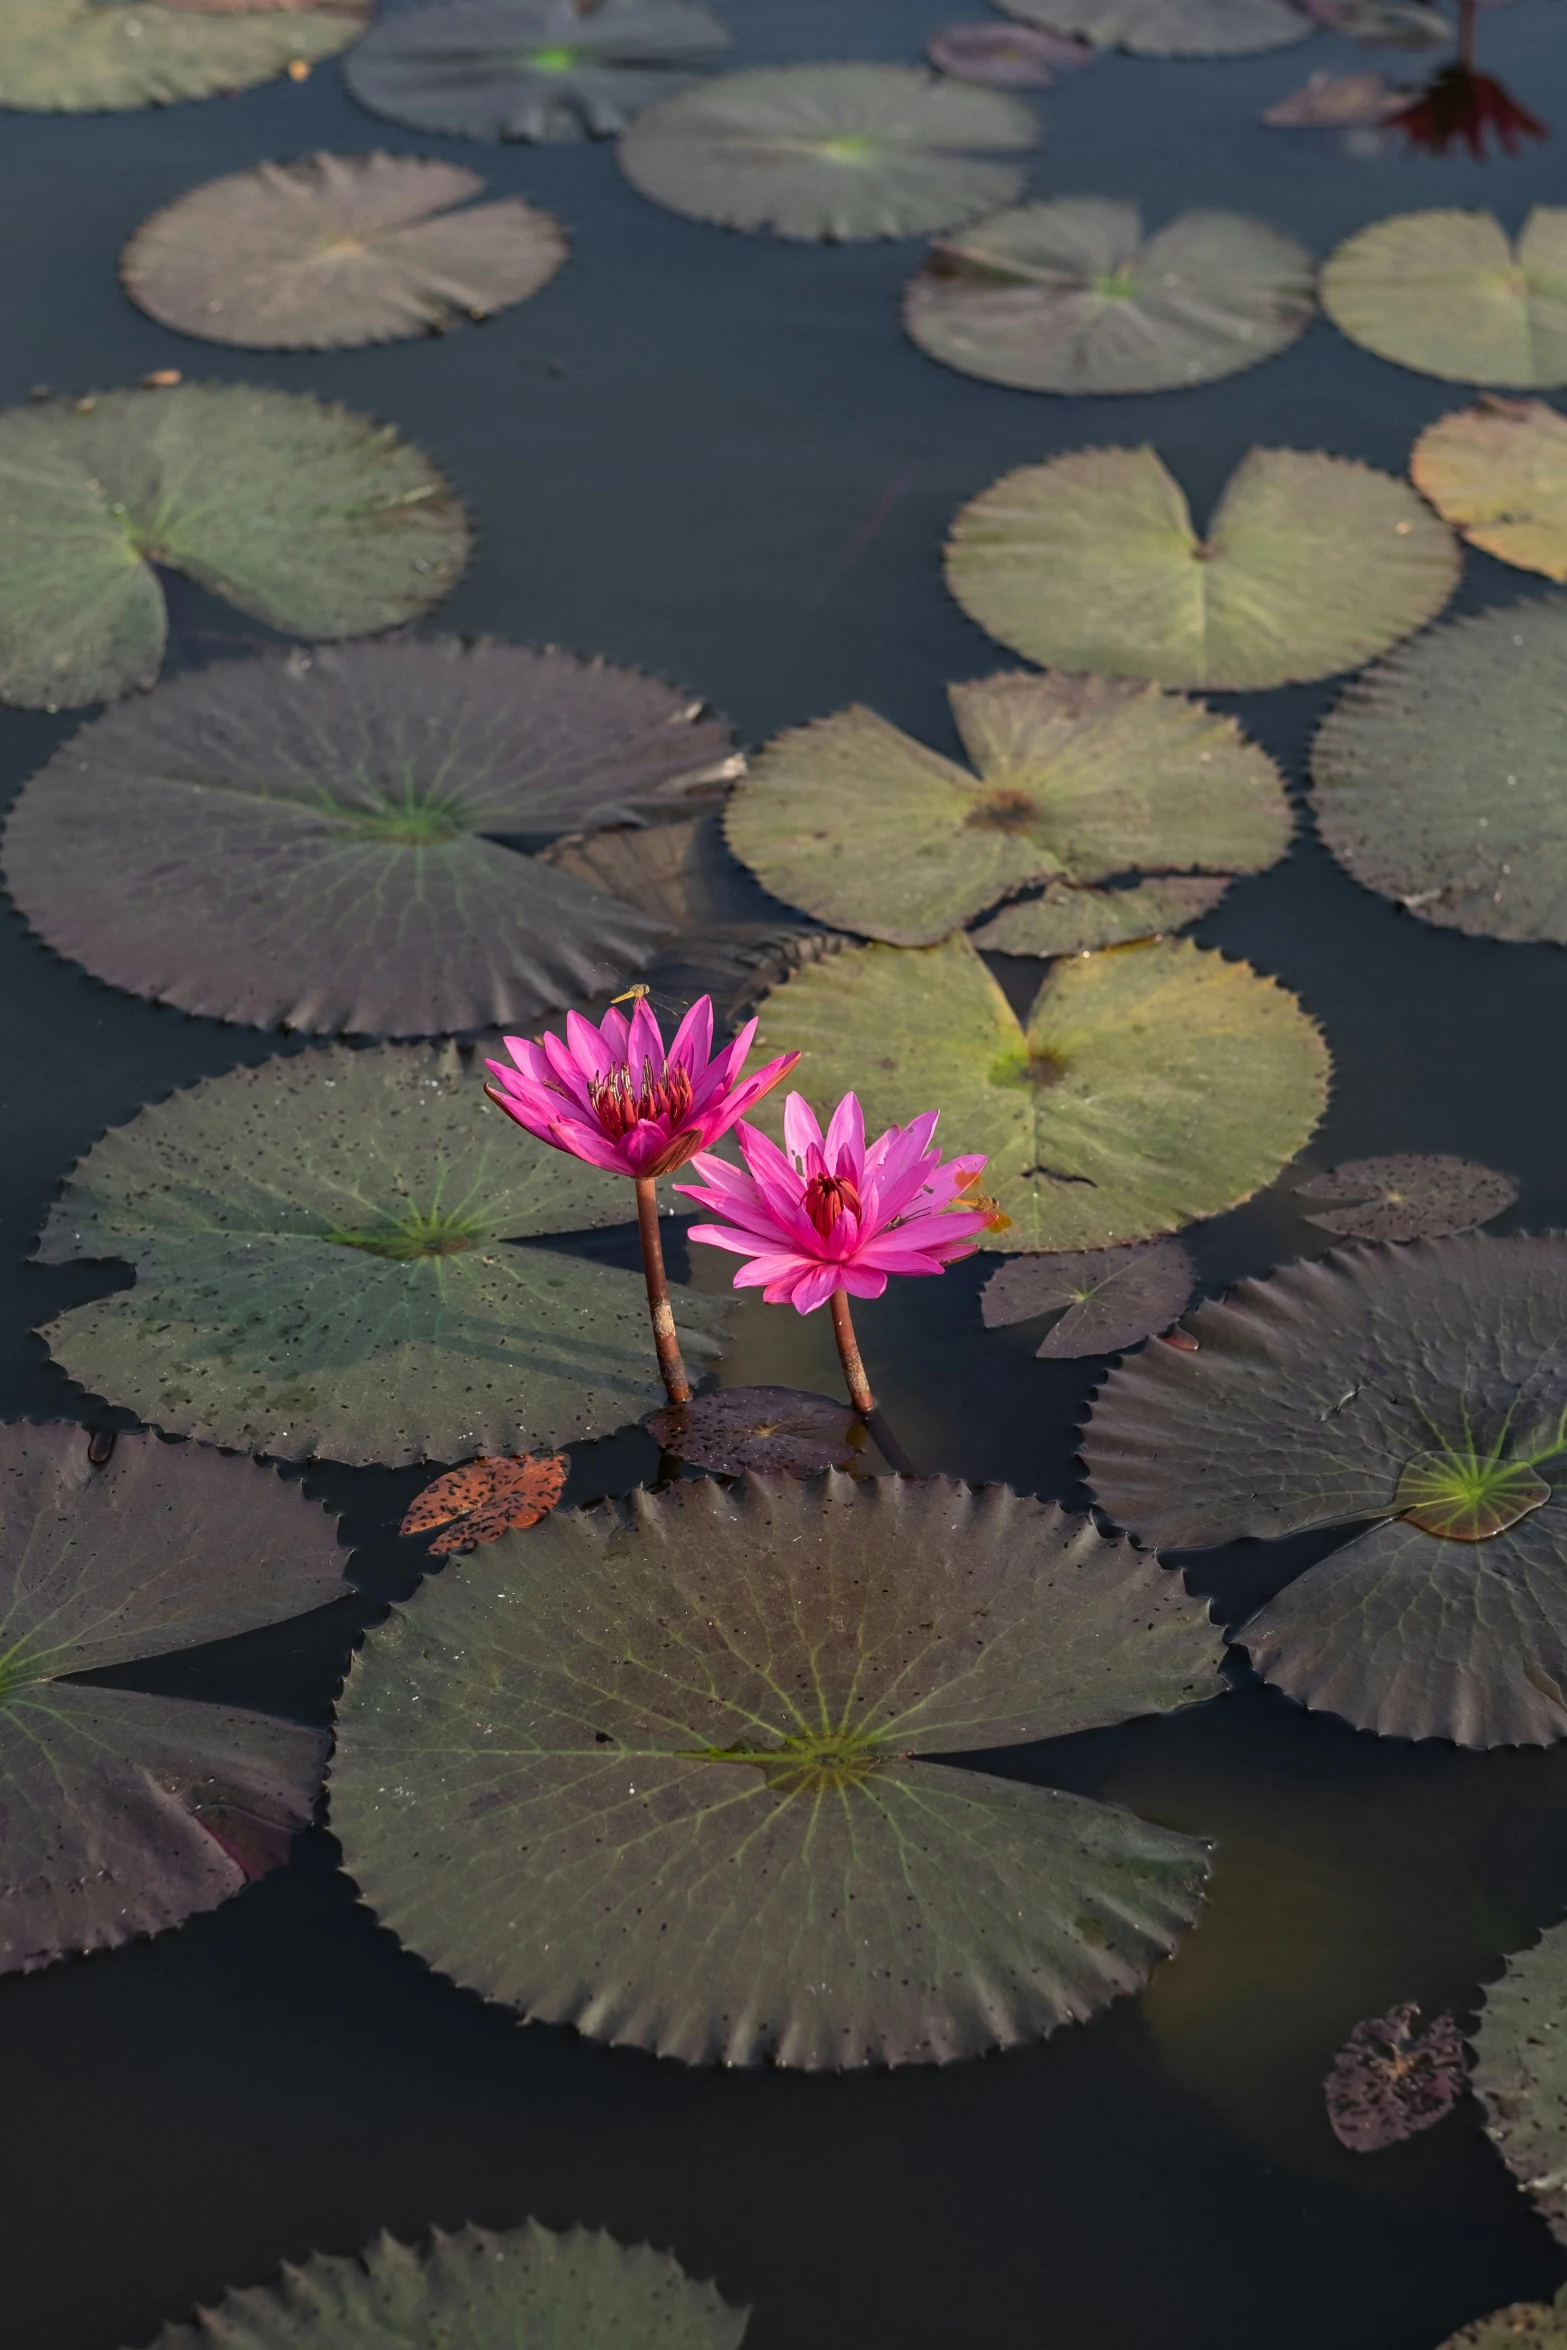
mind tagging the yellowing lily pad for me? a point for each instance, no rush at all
(1063, 920)
(1449, 294)
(1498, 474)
(90, 56)
(1172, 28)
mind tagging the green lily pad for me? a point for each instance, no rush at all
(1068, 297)
(124, 1813)
(311, 840)
(1447, 293)
(1078, 779)
(658, 1770)
(1114, 1297)
(1311, 564)
(1423, 1385)
(91, 56)
(1520, 2077)
(322, 1266)
(1498, 474)
(1438, 778)
(1522, 2325)
(475, 2290)
(328, 525)
(831, 151)
(530, 69)
(1151, 1084)
(1172, 28)
(1407, 1195)
(1063, 920)
(784, 1430)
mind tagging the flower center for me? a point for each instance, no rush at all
(619, 1103)
(827, 1197)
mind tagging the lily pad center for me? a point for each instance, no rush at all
(418, 824)
(852, 147)
(550, 60)
(826, 1763)
(1118, 285)
(1004, 811)
(1465, 1496)
(407, 1237)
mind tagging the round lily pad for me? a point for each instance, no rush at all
(1438, 779)
(1311, 564)
(328, 525)
(1070, 297)
(783, 1430)
(1078, 779)
(1407, 1195)
(1391, 2080)
(311, 840)
(1522, 2325)
(91, 56)
(1064, 920)
(1114, 1297)
(323, 1265)
(1498, 474)
(1448, 293)
(1150, 1085)
(1422, 1385)
(831, 151)
(530, 69)
(658, 1770)
(1520, 2078)
(1172, 28)
(124, 1812)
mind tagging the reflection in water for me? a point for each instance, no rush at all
(1462, 106)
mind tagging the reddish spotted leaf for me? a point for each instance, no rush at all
(478, 1502)
(1390, 2080)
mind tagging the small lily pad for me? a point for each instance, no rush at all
(125, 1813)
(1172, 28)
(1522, 2325)
(92, 56)
(1498, 474)
(831, 151)
(1338, 101)
(783, 1431)
(485, 1499)
(1389, 2080)
(1063, 920)
(323, 1265)
(1448, 293)
(659, 1770)
(328, 525)
(1005, 56)
(1384, 24)
(1408, 1195)
(1114, 1297)
(1070, 297)
(1311, 564)
(1520, 2078)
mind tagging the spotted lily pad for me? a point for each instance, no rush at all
(1498, 474)
(1064, 920)
(1310, 564)
(484, 1499)
(782, 1430)
(1070, 297)
(122, 1812)
(1078, 779)
(1423, 1386)
(323, 1265)
(658, 1770)
(1407, 1195)
(316, 839)
(1114, 1297)
(1172, 28)
(1520, 2078)
(90, 56)
(530, 69)
(831, 151)
(1390, 2080)
(1005, 56)
(1448, 293)
(328, 525)
(1522, 2325)
(1150, 1085)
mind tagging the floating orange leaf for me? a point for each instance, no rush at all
(481, 1500)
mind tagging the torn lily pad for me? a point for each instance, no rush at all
(1391, 2080)
(831, 151)
(1449, 294)
(1070, 297)
(1063, 920)
(124, 1812)
(92, 56)
(1407, 1195)
(1172, 28)
(1522, 2325)
(325, 1264)
(1423, 1386)
(659, 1771)
(782, 1431)
(1114, 1297)
(1498, 474)
(1310, 564)
(1078, 779)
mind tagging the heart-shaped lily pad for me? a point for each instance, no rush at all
(1150, 1085)
(1407, 1195)
(87, 56)
(831, 151)
(1063, 920)
(1438, 779)
(1390, 2080)
(315, 839)
(784, 1431)
(1423, 1385)
(1172, 28)
(530, 69)
(124, 1813)
(1448, 293)
(1498, 474)
(1070, 297)
(1114, 1297)
(328, 525)
(322, 1261)
(1520, 2077)
(1311, 564)
(1522, 2325)
(658, 1770)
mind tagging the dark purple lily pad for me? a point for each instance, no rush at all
(783, 1429)
(1389, 2080)
(1408, 1195)
(1006, 56)
(1115, 1297)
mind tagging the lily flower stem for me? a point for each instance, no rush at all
(1467, 14)
(676, 1385)
(860, 1387)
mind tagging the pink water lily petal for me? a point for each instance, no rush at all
(844, 1147)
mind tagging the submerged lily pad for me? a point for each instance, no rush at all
(1151, 1084)
(1114, 1297)
(1172, 28)
(1438, 779)
(831, 151)
(1408, 1195)
(1448, 293)
(1078, 779)
(124, 1812)
(90, 56)
(658, 1770)
(1422, 1385)
(1311, 564)
(323, 1265)
(1522, 2325)
(530, 69)
(316, 839)
(1063, 920)
(1390, 2081)
(1498, 474)
(1069, 297)
(1520, 2078)
(328, 525)
(785, 1431)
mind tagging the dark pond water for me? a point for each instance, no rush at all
(716, 457)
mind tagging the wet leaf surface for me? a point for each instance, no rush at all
(1449, 293)
(484, 1499)
(1542, 2323)
(1407, 1195)
(1172, 28)
(1065, 920)
(1114, 1297)
(1520, 2075)
(779, 1431)
(1005, 56)
(1498, 474)
(1390, 2080)
(87, 56)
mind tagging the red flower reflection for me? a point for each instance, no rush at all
(1462, 105)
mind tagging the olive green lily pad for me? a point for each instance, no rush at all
(1520, 2077)
(323, 1265)
(786, 1431)
(1172, 28)
(328, 525)
(831, 151)
(1407, 1195)
(1078, 779)
(1114, 1297)
(1070, 297)
(1422, 1385)
(1063, 920)
(475, 2290)
(315, 840)
(1311, 564)
(1150, 1085)
(1438, 779)
(90, 56)
(1448, 293)
(659, 1770)
(1498, 474)
(1522, 2325)
(124, 1813)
